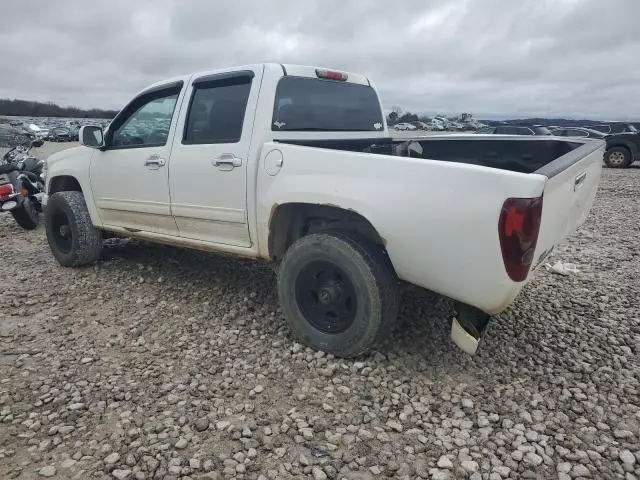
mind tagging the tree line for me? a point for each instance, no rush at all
(397, 115)
(26, 108)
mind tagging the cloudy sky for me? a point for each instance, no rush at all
(497, 58)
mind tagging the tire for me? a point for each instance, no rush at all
(27, 215)
(73, 239)
(617, 157)
(338, 294)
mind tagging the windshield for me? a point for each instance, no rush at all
(542, 131)
(311, 104)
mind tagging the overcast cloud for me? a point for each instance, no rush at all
(577, 58)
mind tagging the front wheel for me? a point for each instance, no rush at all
(73, 239)
(617, 157)
(338, 294)
(26, 215)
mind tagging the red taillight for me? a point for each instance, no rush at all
(5, 191)
(331, 75)
(518, 230)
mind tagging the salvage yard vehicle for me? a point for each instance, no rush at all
(59, 134)
(622, 149)
(404, 126)
(581, 132)
(295, 165)
(21, 182)
(515, 130)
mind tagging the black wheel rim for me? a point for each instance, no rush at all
(326, 297)
(61, 231)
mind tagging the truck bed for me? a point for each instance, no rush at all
(437, 202)
(515, 154)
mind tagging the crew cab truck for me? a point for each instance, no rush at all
(294, 165)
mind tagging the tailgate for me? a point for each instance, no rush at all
(572, 181)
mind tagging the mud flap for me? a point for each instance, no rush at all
(463, 339)
(467, 327)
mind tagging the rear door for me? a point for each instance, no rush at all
(208, 171)
(569, 194)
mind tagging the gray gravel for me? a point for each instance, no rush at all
(159, 363)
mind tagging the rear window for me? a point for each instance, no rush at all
(310, 104)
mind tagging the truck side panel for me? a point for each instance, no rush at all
(439, 220)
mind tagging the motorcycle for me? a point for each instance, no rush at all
(22, 184)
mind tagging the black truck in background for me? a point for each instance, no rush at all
(623, 144)
(622, 149)
(623, 139)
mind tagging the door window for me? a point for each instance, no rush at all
(217, 109)
(574, 132)
(514, 131)
(145, 122)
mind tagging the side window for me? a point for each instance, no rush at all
(216, 112)
(146, 121)
(513, 131)
(572, 132)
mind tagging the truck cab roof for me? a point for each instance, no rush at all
(301, 101)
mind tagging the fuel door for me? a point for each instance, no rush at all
(273, 162)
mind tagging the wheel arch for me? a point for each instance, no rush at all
(68, 182)
(62, 183)
(291, 221)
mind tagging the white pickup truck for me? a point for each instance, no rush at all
(295, 165)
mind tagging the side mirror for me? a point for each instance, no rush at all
(37, 143)
(91, 136)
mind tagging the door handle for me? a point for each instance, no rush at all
(154, 162)
(577, 183)
(228, 161)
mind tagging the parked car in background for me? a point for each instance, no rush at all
(404, 126)
(579, 132)
(515, 130)
(421, 125)
(613, 128)
(73, 133)
(60, 134)
(437, 125)
(622, 149)
(38, 132)
(295, 165)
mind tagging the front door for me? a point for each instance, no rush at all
(130, 177)
(208, 172)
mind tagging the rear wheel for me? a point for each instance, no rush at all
(338, 294)
(617, 157)
(27, 215)
(73, 239)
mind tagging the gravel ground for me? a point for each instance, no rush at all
(163, 363)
